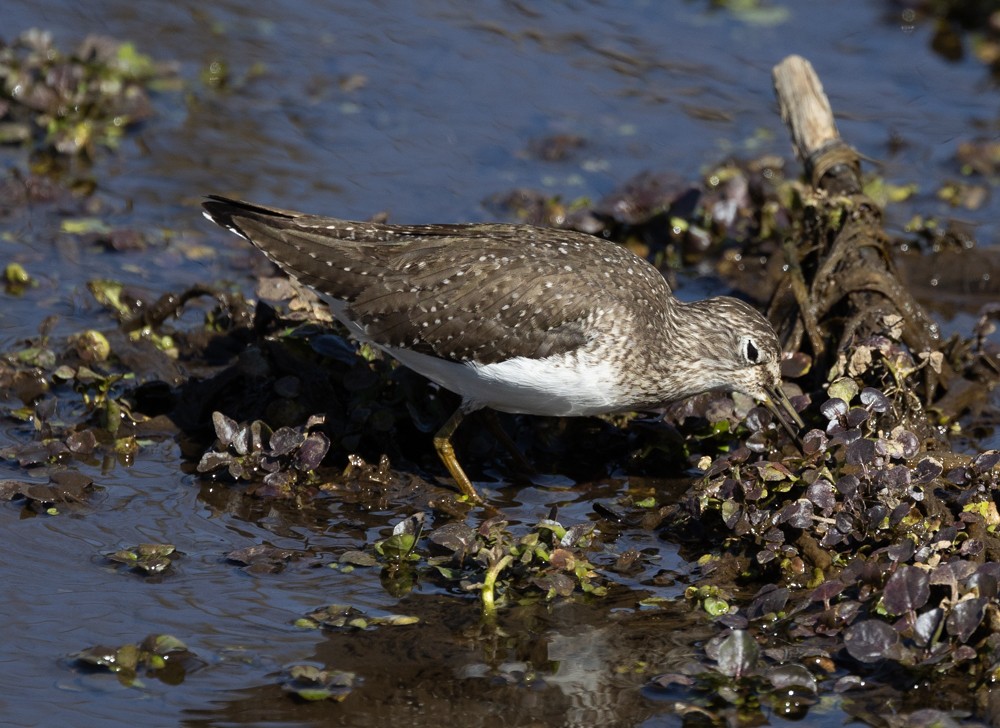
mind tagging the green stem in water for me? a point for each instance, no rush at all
(488, 595)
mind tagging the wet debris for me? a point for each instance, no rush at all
(311, 683)
(65, 489)
(346, 617)
(555, 147)
(262, 558)
(159, 656)
(16, 279)
(147, 558)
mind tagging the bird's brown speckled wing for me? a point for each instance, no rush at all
(479, 293)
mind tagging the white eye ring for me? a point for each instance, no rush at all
(749, 350)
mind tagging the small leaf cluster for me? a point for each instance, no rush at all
(347, 617)
(286, 456)
(146, 558)
(312, 683)
(550, 560)
(159, 655)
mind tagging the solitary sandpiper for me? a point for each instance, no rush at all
(519, 318)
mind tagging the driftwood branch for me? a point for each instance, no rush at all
(830, 163)
(844, 286)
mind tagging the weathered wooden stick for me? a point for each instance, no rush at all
(830, 163)
(828, 263)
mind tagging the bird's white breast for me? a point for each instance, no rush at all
(563, 385)
(558, 386)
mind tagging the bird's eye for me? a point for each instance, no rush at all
(750, 352)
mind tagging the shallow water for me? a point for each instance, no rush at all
(453, 94)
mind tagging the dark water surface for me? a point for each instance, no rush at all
(453, 93)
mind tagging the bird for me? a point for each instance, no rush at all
(517, 318)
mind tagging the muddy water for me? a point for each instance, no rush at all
(423, 110)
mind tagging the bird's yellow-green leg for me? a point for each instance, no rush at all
(445, 450)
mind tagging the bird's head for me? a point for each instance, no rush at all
(737, 350)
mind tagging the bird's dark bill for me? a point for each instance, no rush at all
(781, 407)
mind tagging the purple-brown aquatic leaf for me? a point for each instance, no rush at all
(896, 479)
(927, 626)
(907, 442)
(454, 536)
(285, 440)
(874, 400)
(856, 417)
(848, 682)
(280, 480)
(832, 538)
(958, 476)
(907, 590)
(577, 535)
(260, 434)
(901, 552)
(875, 515)
(952, 574)
(269, 464)
(822, 495)
(757, 419)
(213, 460)
(226, 428)
(899, 513)
(841, 436)
(927, 469)
(770, 599)
(261, 558)
(412, 525)
(732, 512)
(827, 590)
(311, 453)
(798, 514)
(870, 640)
(984, 583)
(848, 485)
(785, 677)
(833, 409)
(736, 654)
(82, 442)
(971, 547)
(964, 617)
(771, 471)
(986, 461)
(555, 583)
(814, 441)
(357, 558)
(862, 452)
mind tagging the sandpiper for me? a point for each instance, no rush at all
(518, 318)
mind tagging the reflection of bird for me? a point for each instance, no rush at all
(518, 318)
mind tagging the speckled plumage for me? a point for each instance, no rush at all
(518, 318)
